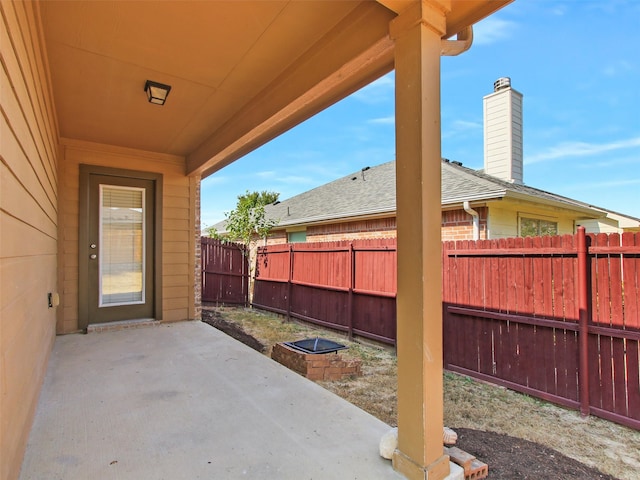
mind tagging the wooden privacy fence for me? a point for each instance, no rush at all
(553, 317)
(225, 272)
(347, 286)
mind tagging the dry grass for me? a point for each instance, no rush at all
(611, 448)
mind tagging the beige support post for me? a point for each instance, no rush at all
(417, 33)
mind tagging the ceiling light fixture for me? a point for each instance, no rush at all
(157, 92)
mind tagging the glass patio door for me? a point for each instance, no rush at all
(119, 252)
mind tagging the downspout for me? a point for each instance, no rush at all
(463, 42)
(476, 220)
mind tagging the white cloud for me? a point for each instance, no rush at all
(389, 120)
(266, 174)
(295, 179)
(604, 184)
(492, 30)
(378, 91)
(620, 67)
(458, 127)
(581, 149)
(213, 180)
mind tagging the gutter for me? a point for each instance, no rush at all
(461, 44)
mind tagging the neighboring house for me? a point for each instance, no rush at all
(363, 205)
(488, 204)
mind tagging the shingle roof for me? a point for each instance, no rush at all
(372, 191)
(366, 192)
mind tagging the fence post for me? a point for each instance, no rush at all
(290, 282)
(352, 276)
(583, 317)
(246, 274)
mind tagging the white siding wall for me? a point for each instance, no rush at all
(503, 135)
(503, 218)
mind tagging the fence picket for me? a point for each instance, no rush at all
(631, 283)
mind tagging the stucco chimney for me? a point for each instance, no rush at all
(503, 132)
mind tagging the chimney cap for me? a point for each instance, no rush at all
(501, 84)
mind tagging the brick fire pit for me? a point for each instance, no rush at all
(316, 366)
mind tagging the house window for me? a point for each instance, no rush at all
(297, 237)
(535, 227)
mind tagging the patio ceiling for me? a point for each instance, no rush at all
(241, 72)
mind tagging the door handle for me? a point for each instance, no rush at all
(93, 256)
(93, 245)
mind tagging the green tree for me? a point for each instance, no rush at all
(247, 222)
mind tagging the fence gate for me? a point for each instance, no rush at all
(225, 272)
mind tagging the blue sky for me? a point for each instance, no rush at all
(576, 62)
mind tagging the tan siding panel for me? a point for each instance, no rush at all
(17, 100)
(175, 281)
(175, 258)
(177, 190)
(24, 239)
(33, 76)
(16, 147)
(181, 224)
(176, 315)
(175, 303)
(21, 385)
(176, 236)
(175, 269)
(176, 213)
(179, 292)
(17, 202)
(177, 202)
(20, 288)
(28, 221)
(175, 247)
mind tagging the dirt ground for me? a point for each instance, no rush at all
(519, 437)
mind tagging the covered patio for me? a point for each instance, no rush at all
(185, 400)
(87, 149)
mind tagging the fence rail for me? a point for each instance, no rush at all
(553, 317)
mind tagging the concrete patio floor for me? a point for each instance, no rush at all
(185, 401)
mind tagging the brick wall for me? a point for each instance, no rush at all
(197, 289)
(330, 366)
(359, 230)
(456, 225)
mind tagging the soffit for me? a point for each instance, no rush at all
(233, 66)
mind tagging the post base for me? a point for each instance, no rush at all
(438, 470)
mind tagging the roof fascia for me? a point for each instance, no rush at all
(498, 195)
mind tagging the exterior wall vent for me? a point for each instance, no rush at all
(501, 84)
